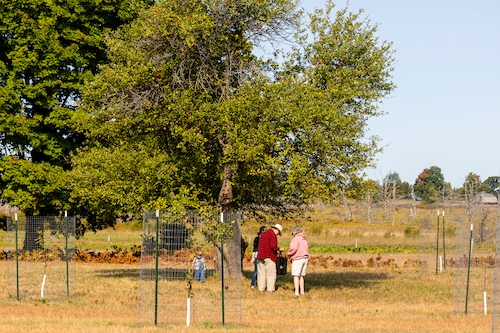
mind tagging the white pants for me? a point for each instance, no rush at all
(266, 274)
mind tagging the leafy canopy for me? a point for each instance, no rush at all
(184, 90)
(430, 184)
(48, 49)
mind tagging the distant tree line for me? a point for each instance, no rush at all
(430, 186)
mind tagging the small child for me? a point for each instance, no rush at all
(199, 267)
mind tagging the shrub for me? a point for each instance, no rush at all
(388, 234)
(356, 234)
(316, 229)
(412, 232)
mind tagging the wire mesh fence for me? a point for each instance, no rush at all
(462, 245)
(437, 242)
(474, 264)
(41, 257)
(495, 311)
(41, 253)
(182, 280)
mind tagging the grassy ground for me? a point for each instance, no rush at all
(368, 299)
(375, 299)
(395, 297)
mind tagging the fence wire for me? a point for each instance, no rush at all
(437, 242)
(171, 291)
(41, 257)
(445, 248)
(495, 311)
(473, 266)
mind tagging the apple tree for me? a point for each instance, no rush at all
(186, 115)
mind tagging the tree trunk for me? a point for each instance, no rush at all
(34, 235)
(232, 254)
(226, 191)
(232, 248)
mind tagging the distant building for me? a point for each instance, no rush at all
(484, 198)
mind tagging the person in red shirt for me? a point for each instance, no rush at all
(266, 258)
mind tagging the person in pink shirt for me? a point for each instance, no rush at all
(298, 255)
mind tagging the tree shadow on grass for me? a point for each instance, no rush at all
(149, 273)
(333, 279)
(344, 279)
(131, 273)
(248, 274)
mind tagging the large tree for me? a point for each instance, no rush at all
(186, 115)
(430, 184)
(48, 49)
(492, 185)
(184, 88)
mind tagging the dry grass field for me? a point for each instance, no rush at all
(353, 300)
(385, 293)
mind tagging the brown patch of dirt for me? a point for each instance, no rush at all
(320, 261)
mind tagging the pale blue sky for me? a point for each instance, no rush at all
(445, 111)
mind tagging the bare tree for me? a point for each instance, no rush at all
(368, 203)
(413, 209)
(388, 195)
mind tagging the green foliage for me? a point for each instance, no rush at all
(48, 50)
(404, 190)
(316, 229)
(388, 234)
(321, 248)
(142, 180)
(184, 93)
(492, 185)
(430, 184)
(217, 232)
(473, 185)
(412, 232)
(369, 191)
(36, 188)
(450, 231)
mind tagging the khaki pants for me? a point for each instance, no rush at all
(266, 274)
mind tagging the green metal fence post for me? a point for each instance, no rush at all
(437, 244)
(156, 266)
(468, 272)
(444, 245)
(17, 257)
(67, 259)
(222, 271)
